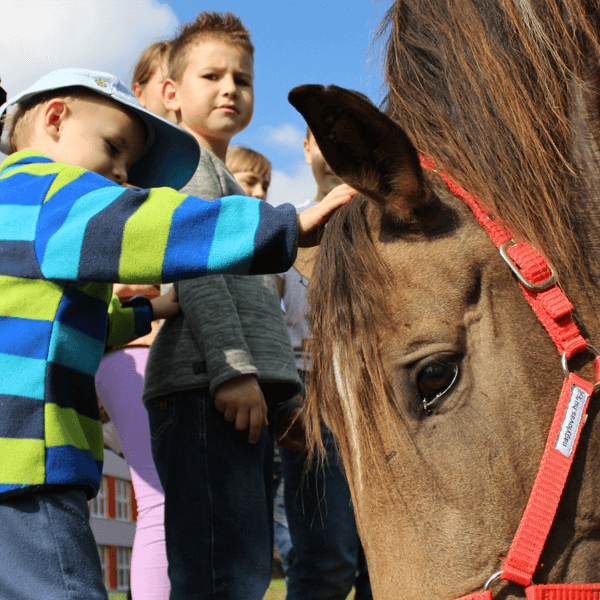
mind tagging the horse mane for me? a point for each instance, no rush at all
(348, 309)
(505, 96)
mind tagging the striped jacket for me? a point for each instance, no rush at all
(66, 235)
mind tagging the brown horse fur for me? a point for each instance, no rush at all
(410, 282)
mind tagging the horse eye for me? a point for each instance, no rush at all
(434, 381)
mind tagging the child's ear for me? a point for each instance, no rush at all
(170, 95)
(55, 113)
(137, 90)
(307, 154)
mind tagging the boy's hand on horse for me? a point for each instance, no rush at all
(312, 220)
(166, 306)
(241, 400)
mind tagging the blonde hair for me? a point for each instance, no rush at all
(225, 26)
(148, 63)
(240, 159)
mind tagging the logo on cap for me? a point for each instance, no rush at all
(101, 82)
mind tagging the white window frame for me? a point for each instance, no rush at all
(122, 500)
(104, 562)
(99, 504)
(123, 568)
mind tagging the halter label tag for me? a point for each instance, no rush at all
(570, 426)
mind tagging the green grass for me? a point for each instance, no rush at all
(277, 591)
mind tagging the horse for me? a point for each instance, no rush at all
(428, 364)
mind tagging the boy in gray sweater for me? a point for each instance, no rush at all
(225, 364)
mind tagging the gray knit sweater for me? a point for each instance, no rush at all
(229, 324)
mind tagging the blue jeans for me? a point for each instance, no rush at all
(283, 542)
(47, 549)
(327, 559)
(218, 499)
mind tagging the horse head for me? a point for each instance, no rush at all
(433, 373)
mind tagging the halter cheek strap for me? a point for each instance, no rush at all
(553, 309)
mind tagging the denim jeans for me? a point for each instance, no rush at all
(283, 542)
(327, 559)
(47, 549)
(218, 499)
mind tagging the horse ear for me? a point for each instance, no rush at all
(363, 146)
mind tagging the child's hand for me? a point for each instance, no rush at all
(166, 306)
(311, 219)
(241, 400)
(290, 430)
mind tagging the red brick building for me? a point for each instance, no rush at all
(113, 515)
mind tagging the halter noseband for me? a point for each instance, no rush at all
(553, 309)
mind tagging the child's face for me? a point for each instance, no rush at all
(254, 184)
(150, 95)
(97, 134)
(325, 178)
(215, 96)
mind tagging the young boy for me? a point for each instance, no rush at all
(66, 234)
(251, 170)
(217, 373)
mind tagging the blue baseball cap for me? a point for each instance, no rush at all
(171, 155)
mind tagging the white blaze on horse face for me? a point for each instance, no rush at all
(351, 405)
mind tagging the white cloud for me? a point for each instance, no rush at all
(296, 187)
(287, 135)
(40, 36)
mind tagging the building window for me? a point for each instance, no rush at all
(123, 500)
(99, 504)
(123, 568)
(103, 553)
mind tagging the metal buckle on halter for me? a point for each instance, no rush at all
(528, 284)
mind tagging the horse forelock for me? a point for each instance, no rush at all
(504, 95)
(348, 309)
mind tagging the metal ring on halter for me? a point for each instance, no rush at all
(565, 368)
(491, 580)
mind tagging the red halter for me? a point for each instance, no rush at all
(553, 309)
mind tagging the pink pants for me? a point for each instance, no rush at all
(120, 383)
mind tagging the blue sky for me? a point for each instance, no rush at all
(296, 43)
